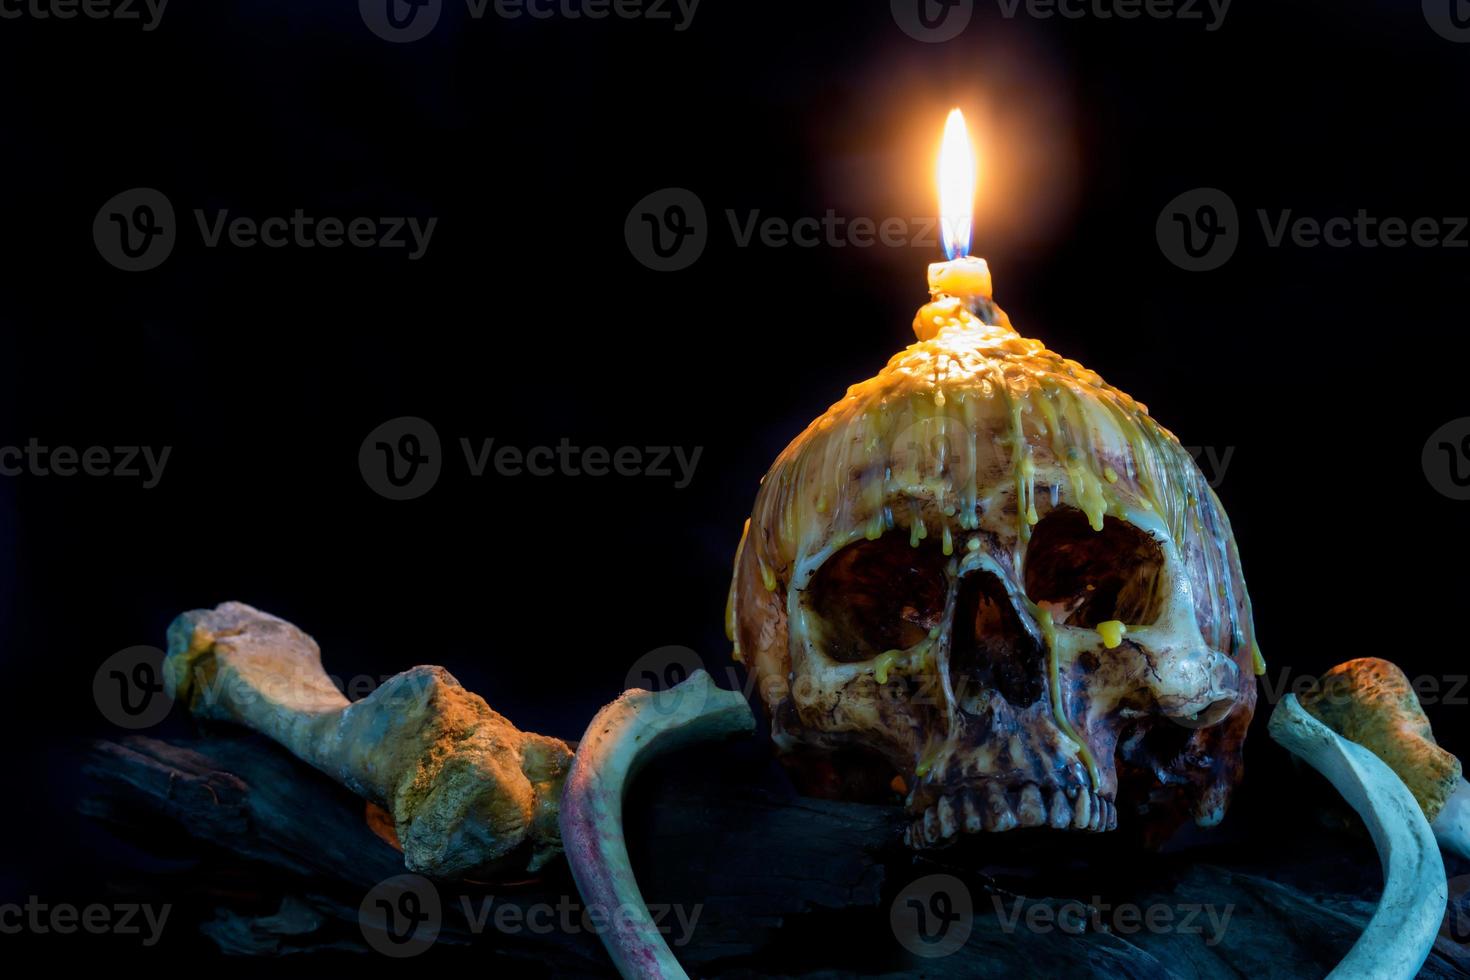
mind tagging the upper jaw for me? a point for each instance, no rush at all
(995, 807)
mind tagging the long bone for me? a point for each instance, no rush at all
(468, 791)
(1401, 933)
(1371, 702)
(622, 737)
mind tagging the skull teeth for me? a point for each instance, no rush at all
(995, 808)
(947, 826)
(1030, 812)
(1059, 816)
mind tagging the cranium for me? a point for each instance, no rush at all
(993, 576)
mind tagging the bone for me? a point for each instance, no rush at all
(1371, 702)
(999, 817)
(1452, 826)
(1060, 815)
(469, 793)
(1398, 938)
(1082, 813)
(1030, 812)
(973, 822)
(947, 826)
(622, 736)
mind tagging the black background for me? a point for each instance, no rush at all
(528, 320)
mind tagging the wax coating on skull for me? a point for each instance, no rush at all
(991, 579)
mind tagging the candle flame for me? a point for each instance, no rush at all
(956, 186)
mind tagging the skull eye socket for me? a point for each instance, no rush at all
(875, 596)
(1085, 577)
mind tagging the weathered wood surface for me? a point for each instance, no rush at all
(761, 882)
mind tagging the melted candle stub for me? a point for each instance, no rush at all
(969, 447)
(966, 277)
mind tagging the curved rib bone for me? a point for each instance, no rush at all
(1400, 934)
(622, 736)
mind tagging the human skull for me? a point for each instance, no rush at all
(991, 578)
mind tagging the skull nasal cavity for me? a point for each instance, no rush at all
(876, 596)
(1085, 577)
(991, 648)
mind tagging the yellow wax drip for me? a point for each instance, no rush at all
(884, 664)
(1059, 714)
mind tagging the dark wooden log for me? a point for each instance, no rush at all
(749, 879)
